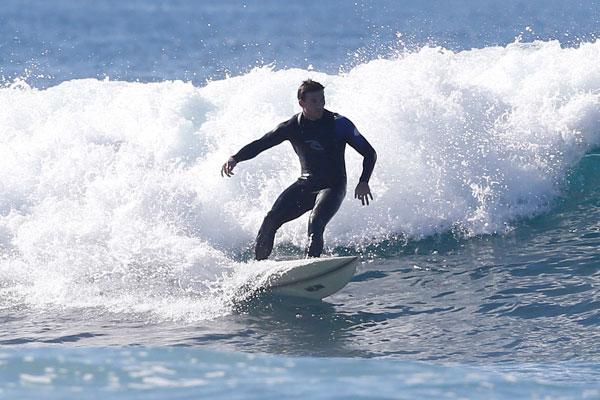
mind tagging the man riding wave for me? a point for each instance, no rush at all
(319, 138)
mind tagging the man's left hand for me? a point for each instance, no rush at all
(363, 192)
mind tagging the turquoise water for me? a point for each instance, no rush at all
(124, 255)
(157, 373)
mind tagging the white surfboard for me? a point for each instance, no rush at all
(313, 278)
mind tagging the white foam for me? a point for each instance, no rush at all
(110, 192)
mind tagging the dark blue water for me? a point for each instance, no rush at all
(157, 41)
(480, 266)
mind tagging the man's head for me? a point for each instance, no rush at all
(312, 99)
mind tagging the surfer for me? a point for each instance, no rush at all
(319, 138)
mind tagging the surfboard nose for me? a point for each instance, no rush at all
(314, 278)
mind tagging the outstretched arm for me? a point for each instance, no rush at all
(361, 145)
(253, 149)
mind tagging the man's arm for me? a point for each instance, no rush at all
(362, 146)
(253, 149)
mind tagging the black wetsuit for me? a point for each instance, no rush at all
(320, 146)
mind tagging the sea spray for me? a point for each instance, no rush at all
(111, 194)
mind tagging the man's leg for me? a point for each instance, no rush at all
(327, 203)
(292, 203)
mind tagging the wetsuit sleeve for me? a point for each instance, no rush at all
(360, 144)
(273, 138)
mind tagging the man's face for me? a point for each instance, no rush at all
(313, 105)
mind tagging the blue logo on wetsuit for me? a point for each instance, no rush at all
(314, 145)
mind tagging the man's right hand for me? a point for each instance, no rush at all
(227, 169)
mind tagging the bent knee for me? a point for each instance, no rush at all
(272, 221)
(316, 227)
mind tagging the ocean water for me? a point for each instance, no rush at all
(125, 257)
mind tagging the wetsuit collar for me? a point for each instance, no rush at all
(301, 117)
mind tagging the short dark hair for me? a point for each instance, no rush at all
(309, 86)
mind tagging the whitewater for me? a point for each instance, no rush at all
(111, 197)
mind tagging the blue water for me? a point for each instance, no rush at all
(158, 373)
(123, 253)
